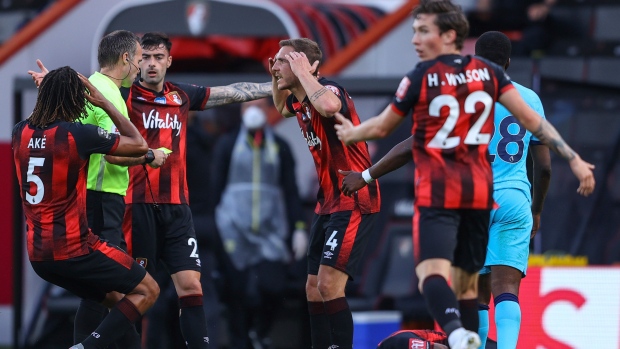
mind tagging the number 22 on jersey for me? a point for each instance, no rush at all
(442, 138)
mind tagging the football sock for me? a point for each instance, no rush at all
(441, 303)
(507, 320)
(130, 340)
(193, 322)
(115, 324)
(319, 326)
(341, 321)
(469, 314)
(483, 328)
(88, 316)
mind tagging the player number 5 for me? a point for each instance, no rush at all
(31, 177)
(441, 139)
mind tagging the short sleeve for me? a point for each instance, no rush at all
(198, 95)
(408, 92)
(92, 139)
(536, 104)
(342, 95)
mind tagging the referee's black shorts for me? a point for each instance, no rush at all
(105, 213)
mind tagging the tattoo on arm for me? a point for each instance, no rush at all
(238, 92)
(547, 134)
(318, 94)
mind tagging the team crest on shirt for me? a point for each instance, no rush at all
(103, 133)
(415, 343)
(334, 89)
(142, 261)
(402, 88)
(174, 96)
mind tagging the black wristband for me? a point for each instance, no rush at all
(149, 156)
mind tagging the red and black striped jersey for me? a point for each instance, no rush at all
(161, 118)
(51, 171)
(453, 99)
(331, 155)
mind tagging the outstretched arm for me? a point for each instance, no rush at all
(237, 93)
(396, 158)
(376, 127)
(547, 134)
(541, 178)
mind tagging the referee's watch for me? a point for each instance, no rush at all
(149, 156)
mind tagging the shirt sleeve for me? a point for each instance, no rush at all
(342, 95)
(91, 139)
(503, 80)
(536, 104)
(198, 95)
(408, 92)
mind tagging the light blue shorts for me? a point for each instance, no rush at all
(509, 231)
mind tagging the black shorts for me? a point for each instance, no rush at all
(339, 241)
(105, 269)
(105, 213)
(458, 235)
(166, 236)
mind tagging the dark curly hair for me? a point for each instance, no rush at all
(61, 98)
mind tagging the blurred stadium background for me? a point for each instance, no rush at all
(574, 66)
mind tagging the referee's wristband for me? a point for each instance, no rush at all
(367, 177)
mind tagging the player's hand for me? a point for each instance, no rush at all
(352, 182)
(160, 158)
(37, 77)
(583, 171)
(299, 63)
(535, 224)
(300, 244)
(344, 129)
(93, 95)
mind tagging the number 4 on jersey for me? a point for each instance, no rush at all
(331, 242)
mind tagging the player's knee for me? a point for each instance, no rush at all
(327, 288)
(151, 290)
(189, 286)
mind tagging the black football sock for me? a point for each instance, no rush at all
(193, 322)
(319, 326)
(469, 314)
(341, 321)
(130, 340)
(441, 303)
(116, 323)
(88, 316)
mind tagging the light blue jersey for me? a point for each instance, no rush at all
(510, 143)
(511, 223)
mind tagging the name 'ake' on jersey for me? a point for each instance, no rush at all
(161, 118)
(510, 143)
(452, 98)
(51, 171)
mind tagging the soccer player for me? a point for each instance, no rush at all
(119, 54)
(51, 151)
(452, 98)
(158, 222)
(341, 224)
(414, 339)
(517, 218)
